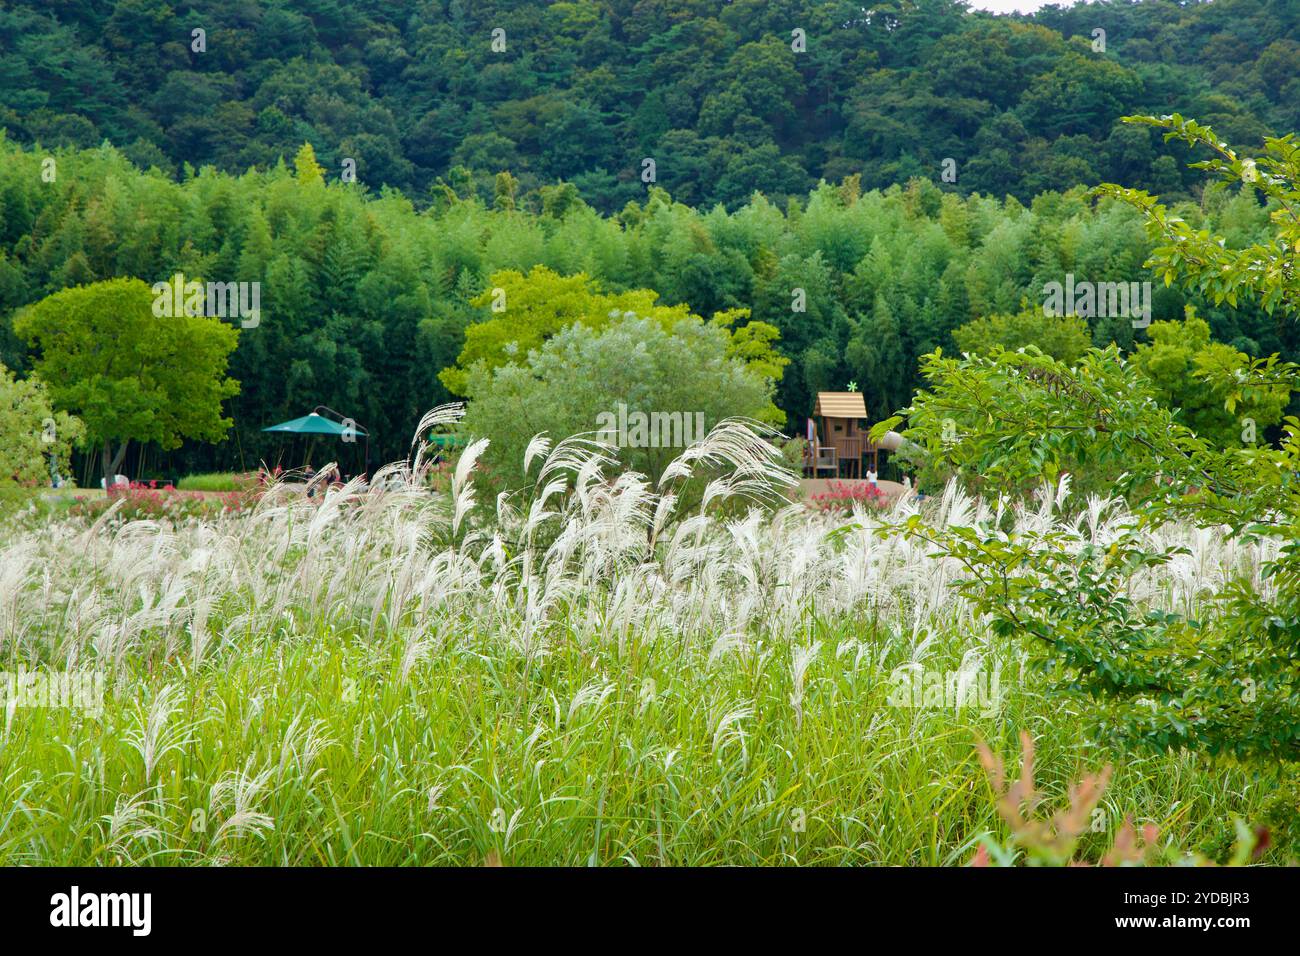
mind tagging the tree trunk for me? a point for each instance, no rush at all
(111, 462)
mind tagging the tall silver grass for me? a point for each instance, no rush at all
(586, 553)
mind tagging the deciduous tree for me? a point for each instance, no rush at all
(127, 374)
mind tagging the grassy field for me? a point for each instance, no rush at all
(584, 676)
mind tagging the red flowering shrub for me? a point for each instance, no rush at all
(147, 500)
(843, 496)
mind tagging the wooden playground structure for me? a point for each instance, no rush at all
(837, 442)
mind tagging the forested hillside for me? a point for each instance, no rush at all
(725, 98)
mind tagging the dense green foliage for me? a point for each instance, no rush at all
(527, 310)
(1064, 337)
(34, 438)
(584, 91)
(1223, 676)
(1179, 362)
(365, 299)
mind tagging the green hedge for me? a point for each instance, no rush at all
(215, 481)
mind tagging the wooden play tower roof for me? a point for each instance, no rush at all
(840, 405)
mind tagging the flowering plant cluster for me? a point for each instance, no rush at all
(148, 500)
(842, 496)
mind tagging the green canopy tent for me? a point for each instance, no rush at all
(317, 424)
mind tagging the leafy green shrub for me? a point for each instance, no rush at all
(16, 499)
(1179, 361)
(584, 380)
(540, 304)
(1222, 679)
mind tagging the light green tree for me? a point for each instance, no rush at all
(31, 430)
(528, 309)
(1062, 337)
(580, 376)
(127, 374)
(305, 166)
(1194, 375)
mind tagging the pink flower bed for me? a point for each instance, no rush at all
(147, 500)
(842, 496)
